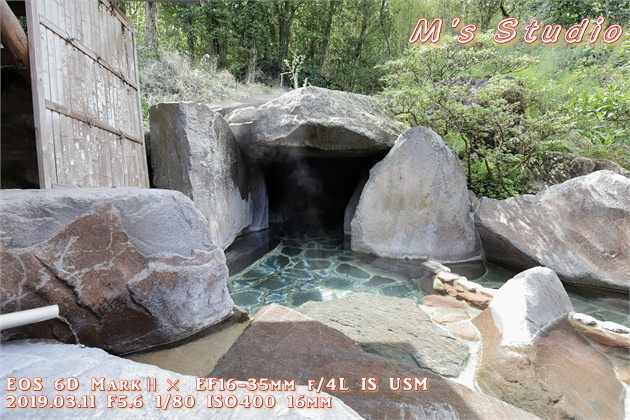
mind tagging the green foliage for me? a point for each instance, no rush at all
(173, 78)
(428, 63)
(598, 101)
(498, 121)
(570, 12)
(341, 41)
(361, 46)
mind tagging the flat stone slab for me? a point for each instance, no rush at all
(282, 343)
(438, 301)
(394, 328)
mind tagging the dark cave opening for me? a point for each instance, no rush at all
(19, 166)
(311, 189)
(17, 145)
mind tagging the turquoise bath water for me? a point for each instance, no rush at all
(318, 265)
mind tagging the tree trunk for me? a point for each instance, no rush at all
(190, 37)
(330, 14)
(365, 24)
(285, 11)
(251, 65)
(151, 26)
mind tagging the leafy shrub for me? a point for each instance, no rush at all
(496, 122)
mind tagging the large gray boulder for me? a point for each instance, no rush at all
(129, 268)
(323, 119)
(532, 358)
(415, 204)
(552, 168)
(51, 361)
(194, 151)
(394, 328)
(580, 229)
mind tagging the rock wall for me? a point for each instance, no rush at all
(579, 229)
(552, 168)
(129, 268)
(415, 204)
(323, 119)
(193, 150)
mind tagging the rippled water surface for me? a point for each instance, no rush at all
(318, 265)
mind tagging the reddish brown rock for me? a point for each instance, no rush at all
(438, 301)
(129, 268)
(464, 330)
(283, 344)
(607, 339)
(594, 331)
(476, 300)
(534, 359)
(448, 316)
(451, 290)
(624, 375)
(561, 376)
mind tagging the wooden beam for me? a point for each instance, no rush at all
(92, 122)
(13, 36)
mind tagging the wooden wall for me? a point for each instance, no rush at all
(86, 101)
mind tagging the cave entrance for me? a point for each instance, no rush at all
(18, 147)
(309, 188)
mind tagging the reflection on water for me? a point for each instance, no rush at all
(315, 266)
(318, 265)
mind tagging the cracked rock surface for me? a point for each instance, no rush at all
(129, 268)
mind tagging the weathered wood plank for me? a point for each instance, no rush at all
(39, 77)
(88, 155)
(96, 24)
(60, 64)
(93, 122)
(52, 11)
(66, 143)
(105, 156)
(118, 162)
(128, 162)
(56, 134)
(69, 152)
(88, 101)
(100, 58)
